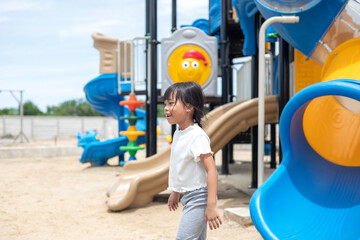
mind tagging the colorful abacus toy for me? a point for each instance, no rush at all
(132, 133)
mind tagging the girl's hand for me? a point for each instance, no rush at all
(212, 217)
(173, 201)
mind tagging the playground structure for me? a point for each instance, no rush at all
(104, 93)
(314, 193)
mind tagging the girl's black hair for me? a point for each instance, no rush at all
(188, 93)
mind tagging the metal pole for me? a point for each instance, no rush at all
(224, 55)
(284, 79)
(147, 88)
(261, 108)
(173, 16)
(153, 78)
(254, 94)
(273, 125)
(230, 99)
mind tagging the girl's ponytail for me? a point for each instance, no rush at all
(198, 117)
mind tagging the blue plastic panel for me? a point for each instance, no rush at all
(313, 24)
(200, 23)
(215, 16)
(246, 10)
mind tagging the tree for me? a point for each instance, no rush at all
(67, 108)
(31, 109)
(9, 111)
(83, 108)
(75, 107)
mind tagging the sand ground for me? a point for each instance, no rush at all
(60, 198)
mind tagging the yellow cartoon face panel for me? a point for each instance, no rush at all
(189, 63)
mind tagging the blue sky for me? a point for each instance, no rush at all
(46, 47)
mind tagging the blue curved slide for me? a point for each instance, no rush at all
(101, 93)
(308, 196)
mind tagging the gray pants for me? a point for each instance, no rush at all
(192, 225)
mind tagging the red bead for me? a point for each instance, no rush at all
(132, 103)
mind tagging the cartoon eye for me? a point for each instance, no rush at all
(185, 64)
(195, 64)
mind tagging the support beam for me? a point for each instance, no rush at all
(173, 16)
(261, 109)
(225, 65)
(152, 91)
(147, 80)
(284, 79)
(254, 94)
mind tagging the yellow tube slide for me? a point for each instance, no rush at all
(336, 134)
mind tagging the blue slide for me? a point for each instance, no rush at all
(315, 192)
(308, 196)
(101, 93)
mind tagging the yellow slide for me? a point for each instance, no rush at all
(143, 179)
(335, 134)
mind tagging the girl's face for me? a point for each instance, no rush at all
(178, 113)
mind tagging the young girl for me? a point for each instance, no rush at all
(192, 169)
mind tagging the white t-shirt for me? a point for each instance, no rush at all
(187, 173)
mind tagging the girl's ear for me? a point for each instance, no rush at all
(189, 108)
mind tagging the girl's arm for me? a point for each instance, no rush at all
(212, 216)
(173, 201)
